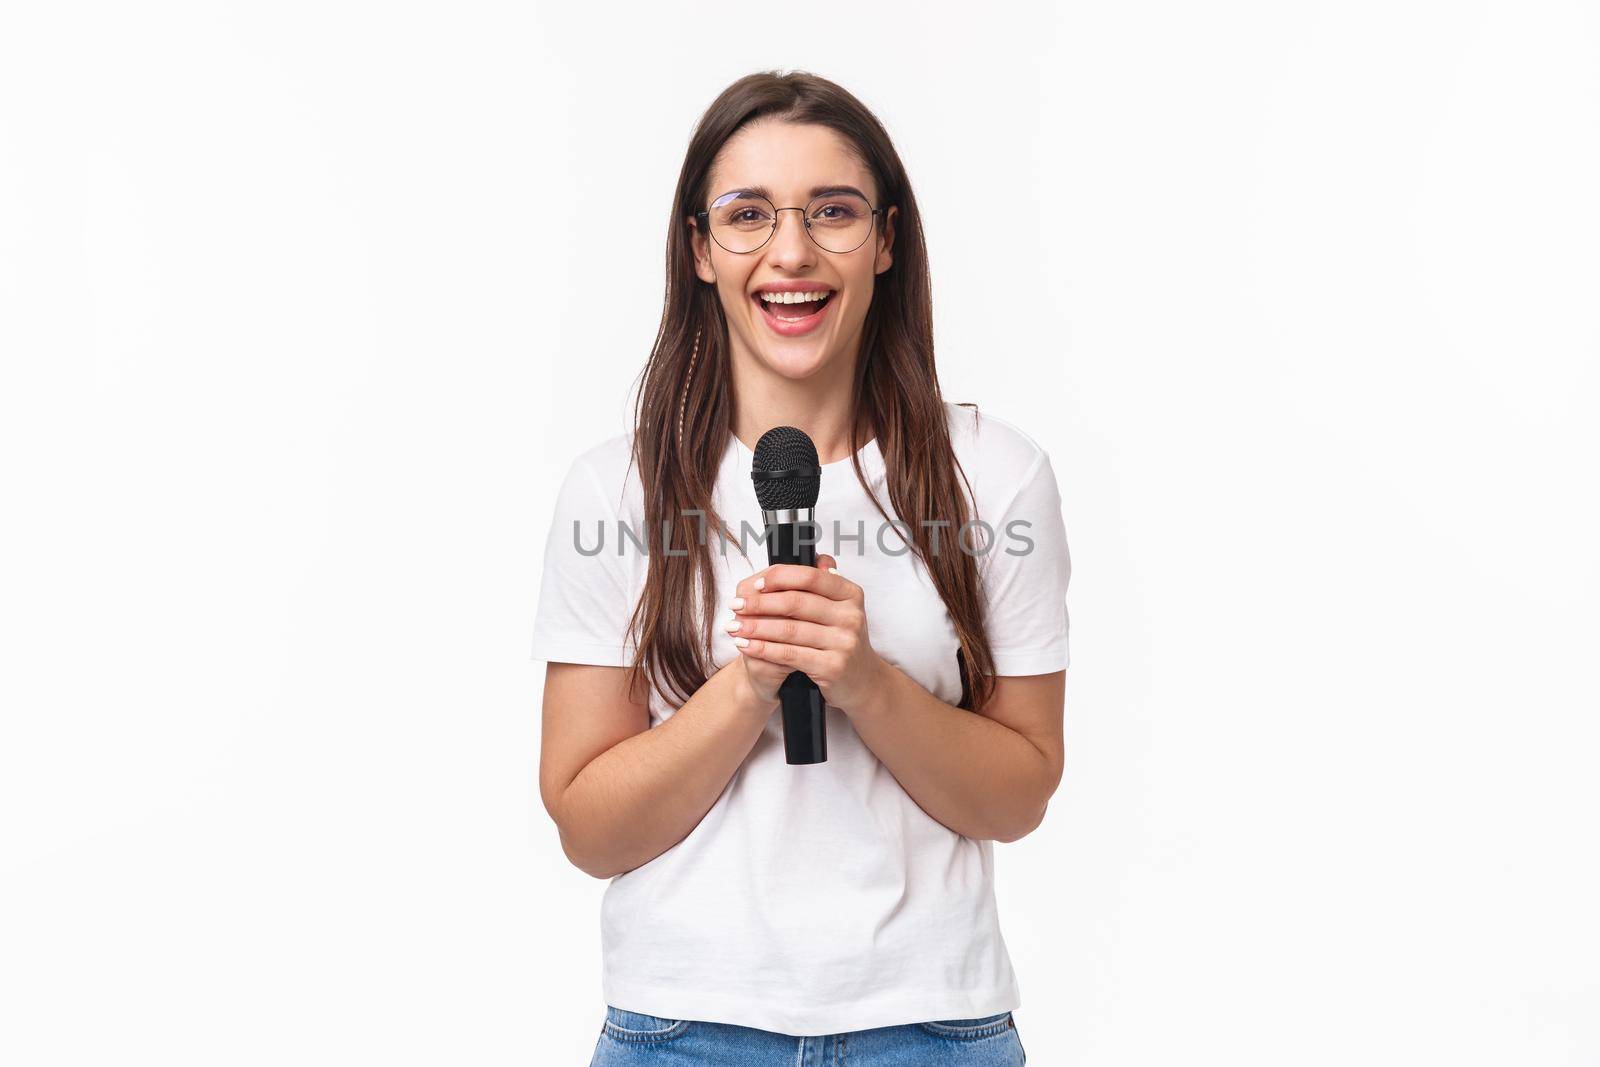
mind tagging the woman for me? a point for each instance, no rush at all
(759, 911)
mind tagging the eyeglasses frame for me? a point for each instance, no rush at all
(704, 218)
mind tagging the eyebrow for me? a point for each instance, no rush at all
(820, 190)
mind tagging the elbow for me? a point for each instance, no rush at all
(598, 874)
(587, 864)
(1022, 829)
(1034, 817)
(578, 859)
(575, 851)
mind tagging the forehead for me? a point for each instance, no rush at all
(790, 159)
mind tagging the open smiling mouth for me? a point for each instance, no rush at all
(794, 314)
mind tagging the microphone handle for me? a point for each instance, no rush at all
(805, 733)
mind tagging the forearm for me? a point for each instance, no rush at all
(645, 794)
(974, 775)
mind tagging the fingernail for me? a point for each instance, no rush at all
(738, 602)
(732, 625)
(741, 641)
(761, 583)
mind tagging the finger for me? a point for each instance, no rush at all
(787, 631)
(795, 657)
(826, 562)
(749, 586)
(799, 576)
(792, 604)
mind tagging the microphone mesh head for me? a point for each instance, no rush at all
(783, 448)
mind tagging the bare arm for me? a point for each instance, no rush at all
(988, 776)
(622, 793)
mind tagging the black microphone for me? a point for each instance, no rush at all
(787, 477)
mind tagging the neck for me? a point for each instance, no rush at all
(821, 405)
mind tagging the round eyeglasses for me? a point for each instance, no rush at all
(743, 221)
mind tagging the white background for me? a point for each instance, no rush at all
(305, 307)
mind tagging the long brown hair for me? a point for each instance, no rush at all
(687, 382)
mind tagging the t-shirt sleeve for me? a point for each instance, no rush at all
(1025, 578)
(585, 595)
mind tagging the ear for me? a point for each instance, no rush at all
(701, 247)
(885, 259)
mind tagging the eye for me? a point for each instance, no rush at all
(837, 211)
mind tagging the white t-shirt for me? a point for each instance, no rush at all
(817, 899)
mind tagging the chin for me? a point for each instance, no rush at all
(796, 366)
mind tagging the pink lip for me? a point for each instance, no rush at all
(800, 326)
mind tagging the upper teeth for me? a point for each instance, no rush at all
(792, 298)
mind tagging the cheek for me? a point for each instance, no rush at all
(859, 289)
(731, 289)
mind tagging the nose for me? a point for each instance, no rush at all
(791, 247)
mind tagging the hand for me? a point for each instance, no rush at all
(806, 619)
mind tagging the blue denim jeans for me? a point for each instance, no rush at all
(628, 1038)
